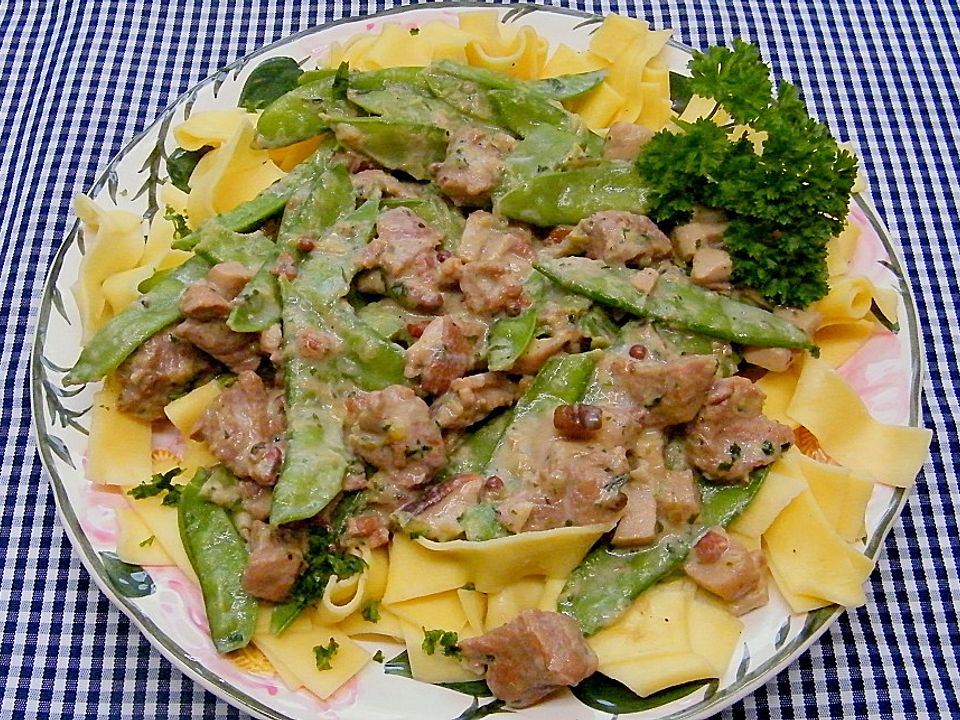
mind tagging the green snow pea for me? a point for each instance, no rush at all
(258, 304)
(602, 587)
(566, 197)
(218, 555)
(136, 324)
(396, 144)
(677, 302)
(299, 114)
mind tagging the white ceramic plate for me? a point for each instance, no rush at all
(167, 607)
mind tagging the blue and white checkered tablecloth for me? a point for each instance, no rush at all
(79, 79)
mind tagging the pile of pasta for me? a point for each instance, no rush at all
(808, 518)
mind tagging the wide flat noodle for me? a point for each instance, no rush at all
(165, 529)
(435, 668)
(293, 651)
(840, 494)
(119, 450)
(493, 564)
(415, 571)
(779, 388)
(811, 559)
(184, 412)
(783, 483)
(230, 175)
(839, 342)
(508, 603)
(136, 544)
(838, 418)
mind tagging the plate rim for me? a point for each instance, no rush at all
(181, 659)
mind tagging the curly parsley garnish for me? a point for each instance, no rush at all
(159, 483)
(785, 201)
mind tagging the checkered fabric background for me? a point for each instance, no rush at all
(79, 79)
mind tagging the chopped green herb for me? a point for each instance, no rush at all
(323, 654)
(180, 227)
(378, 656)
(323, 560)
(159, 483)
(444, 640)
(181, 164)
(371, 611)
(148, 542)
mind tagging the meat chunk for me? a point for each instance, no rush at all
(576, 486)
(496, 260)
(238, 351)
(531, 656)
(392, 430)
(676, 496)
(619, 237)
(276, 559)
(542, 349)
(436, 513)
(705, 229)
(162, 369)
(473, 165)
(445, 351)
(668, 393)
(244, 429)
(726, 568)
(624, 141)
(638, 526)
(210, 298)
(369, 182)
(469, 400)
(405, 252)
(731, 436)
(711, 268)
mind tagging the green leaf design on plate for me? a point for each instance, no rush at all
(131, 581)
(59, 448)
(400, 666)
(517, 12)
(606, 694)
(680, 92)
(476, 710)
(782, 634)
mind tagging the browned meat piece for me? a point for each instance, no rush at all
(576, 486)
(531, 656)
(473, 165)
(210, 298)
(370, 528)
(807, 320)
(721, 565)
(238, 351)
(705, 229)
(368, 182)
(773, 359)
(676, 497)
(405, 252)
(436, 513)
(668, 393)
(161, 369)
(619, 237)
(255, 499)
(391, 429)
(244, 429)
(276, 559)
(271, 344)
(711, 268)
(445, 351)
(731, 436)
(316, 344)
(496, 260)
(624, 141)
(638, 526)
(472, 398)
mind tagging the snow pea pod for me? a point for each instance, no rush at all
(218, 555)
(567, 87)
(677, 302)
(474, 453)
(298, 114)
(269, 202)
(258, 305)
(219, 244)
(396, 144)
(136, 324)
(568, 196)
(544, 149)
(602, 587)
(437, 212)
(509, 338)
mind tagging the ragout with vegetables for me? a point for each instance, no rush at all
(466, 316)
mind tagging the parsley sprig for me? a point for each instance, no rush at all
(160, 483)
(784, 202)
